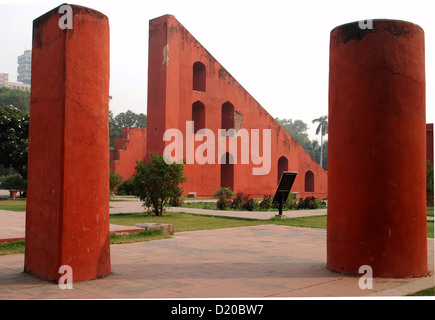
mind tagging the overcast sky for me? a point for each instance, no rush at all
(278, 50)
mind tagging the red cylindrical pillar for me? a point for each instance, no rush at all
(67, 220)
(376, 157)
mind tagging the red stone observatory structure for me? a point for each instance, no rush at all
(377, 150)
(187, 84)
(67, 220)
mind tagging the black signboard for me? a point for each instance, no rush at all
(284, 187)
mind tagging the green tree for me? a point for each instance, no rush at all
(156, 182)
(114, 131)
(18, 98)
(13, 182)
(429, 183)
(6, 171)
(14, 133)
(325, 155)
(131, 119)
(298, 130)
(313, 149)
(126, 187)
(115, 180)
(123, 120)
(322, 129)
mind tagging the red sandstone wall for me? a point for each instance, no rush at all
(377, 166)
(127, 150)
(172, 53)
(67, 220)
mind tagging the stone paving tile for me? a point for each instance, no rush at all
(261, 261)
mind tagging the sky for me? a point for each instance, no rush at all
(278, 50)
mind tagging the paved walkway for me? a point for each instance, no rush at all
(136, 206)
(262, 261)
(251, 262)
(12, 224)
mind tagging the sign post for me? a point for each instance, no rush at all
(283, 190)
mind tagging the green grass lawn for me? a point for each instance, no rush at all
(198, 198)
(200, 205)
(430, 229)
(14, 247)
(183, 221)
(142, 236)
(190, 222)
(18, 205)
(11, 247)
(425, 292)
(429, 211)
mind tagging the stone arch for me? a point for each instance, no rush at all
(227, 171)
(199, 76)
(198, 116)
(227, 116)
(282, 166)
(309, 181)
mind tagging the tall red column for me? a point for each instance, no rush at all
(376, 157)
(67, 220)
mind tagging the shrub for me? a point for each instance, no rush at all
(126, 187)
(223, 191)
(13, 182)
(115, 180)
(237, 202)
(266, 203)
(14, 134)
(291, 202)
(157, 181)
(206, 205)
(223, 202)
(176, 201)
(250, 204)
(309, 203)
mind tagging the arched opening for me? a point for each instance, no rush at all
(198, 116)
(199, 76)
(282, 166)
(309, 181)
(227, 171)
(227, 116)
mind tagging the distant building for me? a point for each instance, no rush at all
(24, 73)
(4, 79)
(25, 67)
(4, 82)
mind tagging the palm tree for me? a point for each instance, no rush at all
(322, 129)
(313, 149)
